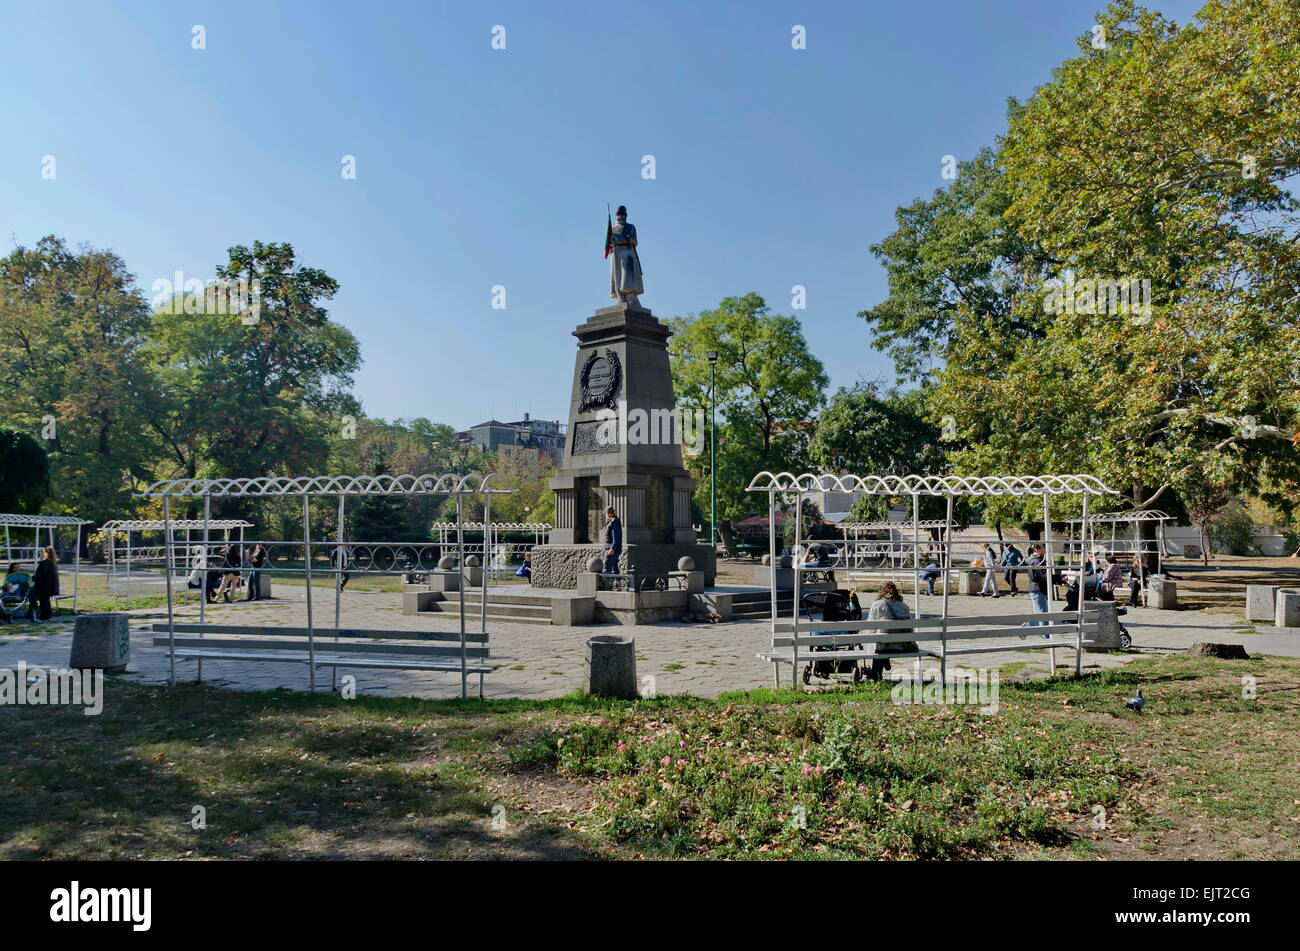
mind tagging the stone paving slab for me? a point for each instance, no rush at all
(539, 661)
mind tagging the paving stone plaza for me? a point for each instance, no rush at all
(548, 661)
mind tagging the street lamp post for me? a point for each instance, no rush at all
(713, 449)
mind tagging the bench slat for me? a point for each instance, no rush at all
(324, 661)
(320, 632)
(265, 644)
(893, 638)
(786, 627)
(783, 657)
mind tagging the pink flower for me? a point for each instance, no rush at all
(807, 769)
(681, 744)
(681, 763)
(724, 774)
(665, 761)
(621, 747)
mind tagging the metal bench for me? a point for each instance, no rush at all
(354, 647)
(792, 642)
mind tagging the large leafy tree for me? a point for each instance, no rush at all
(769, 386)
(24, 473)
(73, 323)
(243, 398)
(1164, 158)
(867, 432)
(953, 261)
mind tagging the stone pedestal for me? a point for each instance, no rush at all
(101, 641)
(1261, 602)
(611, 666)
(1162, 593)
(624, 449)
(1287, 613)
(558, 566)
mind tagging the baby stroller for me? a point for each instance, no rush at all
(836, 605)
(1072, 604)
(16, 598)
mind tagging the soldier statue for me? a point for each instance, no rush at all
(625, 277)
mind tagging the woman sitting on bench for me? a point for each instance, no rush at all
(890, 606)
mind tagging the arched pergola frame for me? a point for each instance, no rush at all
(785, 485)
(343, 487)
(123, 560)
(1134, 518)
(49, 524)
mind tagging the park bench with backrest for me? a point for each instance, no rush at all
(793, 643)
(354, 647)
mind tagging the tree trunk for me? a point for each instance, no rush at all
(727, 534)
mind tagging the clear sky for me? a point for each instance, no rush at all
(478, 167)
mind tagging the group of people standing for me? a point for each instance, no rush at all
(220, 574)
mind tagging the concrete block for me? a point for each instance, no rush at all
(1261, 602)
(101, 641)
(1162, 593)
(1288, 608)
(414, 602)
(711, 603)
(572, 612)
(588, 583)
(1107, 636)
(611, 666)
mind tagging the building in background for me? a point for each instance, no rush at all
(544, 437)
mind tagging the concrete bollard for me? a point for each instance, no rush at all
(611, 666)
(101, 641)
(1288, 608)
(1162, 593)
(1261, 602)
(1107, 636)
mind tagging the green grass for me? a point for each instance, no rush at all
(1206, 771)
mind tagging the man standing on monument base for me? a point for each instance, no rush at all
(625, 278)
(612, 539)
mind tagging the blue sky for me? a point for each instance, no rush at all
(479, 167)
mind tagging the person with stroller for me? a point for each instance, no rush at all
(46, 583)
(14, 593)
(889, 606)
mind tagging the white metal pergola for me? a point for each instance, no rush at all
(492, 540)
(50, 524)
(784, 485)
(342, 488)
(122, 561)
(1135, 545)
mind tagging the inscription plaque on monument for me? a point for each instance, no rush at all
(600, 379)
(595, 436)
